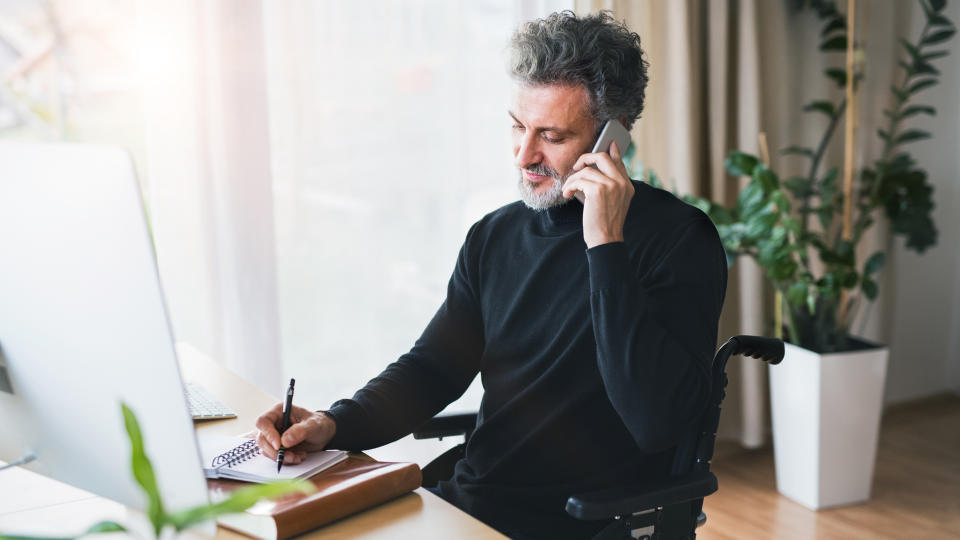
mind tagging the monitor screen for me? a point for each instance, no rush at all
(83, 327)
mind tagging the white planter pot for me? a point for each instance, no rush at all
(826, 418)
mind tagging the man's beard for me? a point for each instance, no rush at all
(541, 201)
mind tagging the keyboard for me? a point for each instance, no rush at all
(203, 406)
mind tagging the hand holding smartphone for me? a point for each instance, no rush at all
(612, 131)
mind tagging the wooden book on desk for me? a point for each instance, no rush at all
(355, 484)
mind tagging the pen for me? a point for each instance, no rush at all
(285, 422)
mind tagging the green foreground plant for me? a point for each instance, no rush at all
(771, 219)
(142, 469)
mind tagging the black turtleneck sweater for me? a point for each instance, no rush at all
(594, 362)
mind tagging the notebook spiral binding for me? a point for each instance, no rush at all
(237, 455)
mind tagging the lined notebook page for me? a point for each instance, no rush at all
(240, 459)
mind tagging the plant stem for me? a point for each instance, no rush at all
(815, 162)
(791, 322)
(888, 147)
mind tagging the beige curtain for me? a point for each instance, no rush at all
(722, 72)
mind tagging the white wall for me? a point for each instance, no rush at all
(925, 330)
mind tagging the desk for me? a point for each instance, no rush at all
(46, 507)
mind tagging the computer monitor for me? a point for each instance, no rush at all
(83, 327)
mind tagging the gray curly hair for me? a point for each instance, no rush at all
(596, 51)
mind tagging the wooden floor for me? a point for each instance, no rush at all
(916, 490)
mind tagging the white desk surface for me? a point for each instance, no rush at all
(31, 504)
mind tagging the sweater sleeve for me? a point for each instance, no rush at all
(436, 371)
(656, 333)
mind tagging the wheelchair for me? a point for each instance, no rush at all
(671, 509)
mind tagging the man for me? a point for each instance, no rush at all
(592, 325)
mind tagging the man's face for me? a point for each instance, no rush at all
(552, 127)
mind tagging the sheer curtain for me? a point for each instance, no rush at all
(314, 167)
(388, 136)
(208, 171)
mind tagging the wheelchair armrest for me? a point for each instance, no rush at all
(447, 425)
(626, 500)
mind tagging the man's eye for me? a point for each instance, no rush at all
(552, 140)
(518, 127)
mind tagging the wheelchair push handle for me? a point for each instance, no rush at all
(765, 348)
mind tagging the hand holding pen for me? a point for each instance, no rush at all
(302, 432)
(285, 423)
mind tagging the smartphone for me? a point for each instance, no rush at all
(612, 131)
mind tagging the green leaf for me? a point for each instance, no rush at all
(784, 269)
(701, 204)
(720, 214)
(751, 200)
(797, 150)
(874, 263)
(918, 109)
(883, 134)
(239, 501)
(938, 37)
(921, 85)
(830, 178)
(780, 200)
(105, 527)
(938, 20)
(845, 250)
(792, 225)
(825, 10)
(767, 178)
(811, 301)
(760, 225)
(828, 285)
(837, 43)
(740, 164)
(922, 68)
(836, 23)
(828, 191)
(732, 235)
(901, 95)
(907, 200)
(797, 293)
(800, 187)
(911, 50)
(907, 67)
(838, 75)
(938, 5)
(912, 135)
(869, 288)
(820, 106)
(825, 215)
(143, 470)
(847, 278)
(934, 55)
(828, 255)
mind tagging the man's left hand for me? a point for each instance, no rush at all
(607, 193)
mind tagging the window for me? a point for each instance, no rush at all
(389, 138)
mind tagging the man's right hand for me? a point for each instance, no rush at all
(309, 431)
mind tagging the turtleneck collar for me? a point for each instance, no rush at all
(563, 218)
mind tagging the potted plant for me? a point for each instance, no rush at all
(162, 522)
(804, 231)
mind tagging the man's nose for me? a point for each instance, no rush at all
(527, 151)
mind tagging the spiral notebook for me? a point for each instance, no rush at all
(239, 458)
